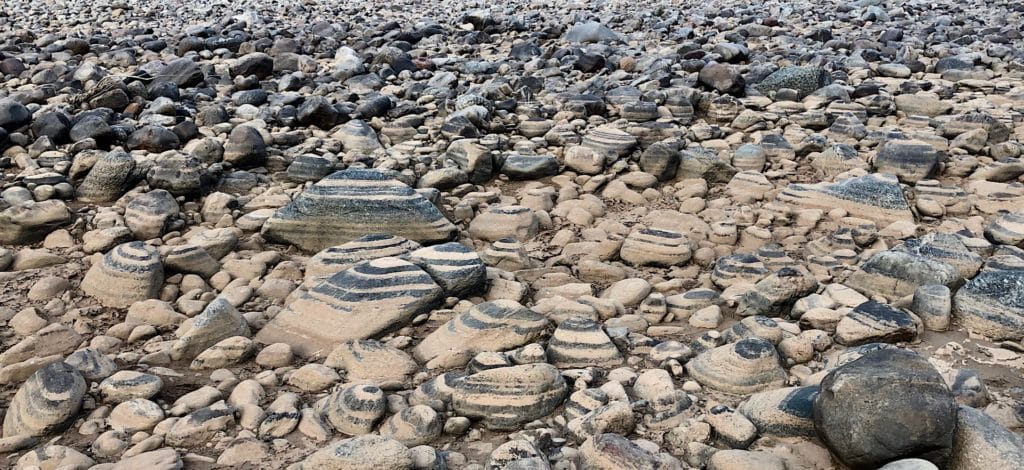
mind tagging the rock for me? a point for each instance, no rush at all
(13, 115)
(735, 459)
(29, 222)
(373, 362)
(609, 141)
(933, 303)
(257, 63)
(910, 160)
(92, 364)
(181, 175)
(108, 179)
(47, 402)
(875, 197)
(199, 426)
(227, 352)
(513, 221)
(506, 397)
(731, 428)
(748, 366)
(218, 321)
(981, 442)
(162, 459)
(368, 452)
(352, 203)
(126, 385)
(243, 451)
(776, 294)
(584, 160)
(137, 414)
(455, 267)
(354, 409)
(805, 80)
(613, 452)
(580, 342)
(529, 167)
(368, 299)
(517, 454)
(153, 139)
(785, 412)
(53, 457)
(357, 135)
(413, 426)
(659, 160)
(336, 259)
(702, 163)
(53, 339)
(889, 396)
(723, 78)
(653, 247)
(837, 159)
(129, 273)
(1007, 229)
(873, 322)
(245, 148)
(992, 304)
(490, 326)
(615, 417)
(591, 32)
(150, 215)
(896, 274)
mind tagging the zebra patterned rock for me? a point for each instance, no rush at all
(499, 325)
(748, 366)
(1007, 229)
(786, 412)
(992, 304)
(352, 203)
(749, 157)
(776, 294)
(682, 306)
(358, 136)
(373, 362)
(507, 397)
(30, 222)
(218, 321)
(512, 221)
(653, 247)
(875, 197)
(190, 259)
(519, 454)
(47, 402)
(414, 426)
(584, 401)
(895, 274)
(947, 248)
(126, 274)
(874, 322)
(754, 327)
(436, 393)
(368, 299)
(181, 175)
(805, 80)
(699, 162)
(507, 254)
(739, 268)
(910, 160)
(580, 342)
(354, 409)
(453, 266)
(149, 215)
(609, 141)
(953, 200)
(108, 179)
(667, 410)
(336, 259)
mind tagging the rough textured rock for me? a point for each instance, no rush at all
(490, 326)
(352, 203)
(29, 222)
(875, 197)
(360, 453)
(218, 321)
(992, 304)
(129, 273)
(747, 366)
(47, 402)
(506, 397)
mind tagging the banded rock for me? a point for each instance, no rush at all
(507, 397)
(490, 326)
(354, 409)
(47, 402)
(373, 362)
(129, 273)
(875, 197)
(352, 203)
(453, 266)
(992, 304)
(747, 366)
(580, 342)
(653, 247)
(336, 259)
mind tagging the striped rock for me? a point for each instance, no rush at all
(580, 342)
(487, 360)
(875, 197)
(309, 168)
(616, 417)
(453, 266)
(992, 304)
(1007, 229)
(699, 162)
(895, 274)
(507, 254)
(499, 325)
(352, 203)
(218, 321)
(947, 248)
(639, 111)
(358, 136)
(679, 105)
(653, 247)
(775, 257)
(1004, 258)
(838, 158)
(126, 274)
(414, 426)
(512, 221)
(108, 179)
(776, 294)
(961, 123)
(436, 393)
(150, 215)
(748, 186)
(354, 409)
(749, 157)
(368, 299)
(517, 455)
(748, 366)
(910, 160)
(754, 327)
(373, 362)
(874, 322)
(739, 268)
(508, 397)
(217, 242)
(336, 259)
(786, 412)
(190, 259)
(613, 451)
(584, 401)
(46, 403)
(667, 410)
(371, 452)
(682, 306)
(609, 141)
(30, 222)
